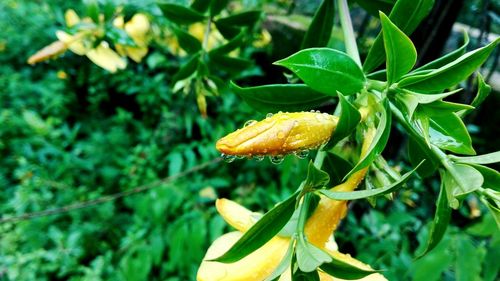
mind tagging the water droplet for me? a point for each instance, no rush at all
(249, 122)
(228, 158)
(312, 110)
(301, 154)
(240, 156)
(276, 159)
(280, 134)
(259, 157)
(269, 115)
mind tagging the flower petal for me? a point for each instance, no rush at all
(106, 58)
(256, 266)
(236, 215)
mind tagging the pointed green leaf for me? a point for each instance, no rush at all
(349, 120)
(284, 97)
(187, 41)
(200, 5)
(248, 18)
(359, 194)
(489, 158)
(261, 232)
(400, 52)
(447, 131)
(425, 99)
(483, 91)
(406, 15)
(336, 167)
(229, 64)
(187, 69)
(320, 30)
(231, 45)
(345, 271)
(441, 218)
(180, 14)
(379, 140)
(494, 210)
(491, 177)
(326, 70)
(450, 74)
(444, 60)
(316, 178)
(216, 6)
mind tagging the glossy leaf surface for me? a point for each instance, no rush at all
(401, 55)
(284, 97)
(326, 70)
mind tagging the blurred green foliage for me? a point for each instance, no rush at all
(70, 132)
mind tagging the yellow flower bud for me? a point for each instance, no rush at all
(50, 51)
(280, 134)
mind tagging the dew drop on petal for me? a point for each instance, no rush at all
(259, 157)
(228, 158)
(280, 135)
(302, 153)
(249, 122)
(276, 159)
(269, 115)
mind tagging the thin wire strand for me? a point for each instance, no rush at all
(107, 198)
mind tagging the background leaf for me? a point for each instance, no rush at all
(319, 32)
(180, 14)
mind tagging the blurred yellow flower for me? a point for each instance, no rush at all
(137, 28)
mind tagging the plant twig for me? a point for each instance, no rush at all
(347, 29)
(107, 198)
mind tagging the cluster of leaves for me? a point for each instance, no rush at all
(411, 96)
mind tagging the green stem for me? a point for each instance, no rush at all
(349, 37)
(207, 35)
(301, 222)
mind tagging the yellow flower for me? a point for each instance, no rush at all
(261, 263)
(48, 52)
(137, 28)
(279, 134)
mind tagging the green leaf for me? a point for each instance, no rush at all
(326, 70)
(230, 64)
(444, 107)
(450, 74)
(469, 259)
(186, 41)
(418, 152)
(92, 9)
(406, 15)
(309, 257)
(216, 6)
(349, 120)
(316, 178)
(187, 69)
(261, 232)
(444, 60)
(336, 167)
(374, 6)
(200, 5)
(343, 270)
(284, 264)
(447, 131)
(248, 19)
(284, 97)
(320, 30)
(400, 52)
(231, 45)
(483, 91)
(494, 210)
(489, 158)
(180, 14)
(426, 99)
(305, 276)
(460, 180)
(359, 194)
(441, 218)
(379, 140)
(491, 177)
